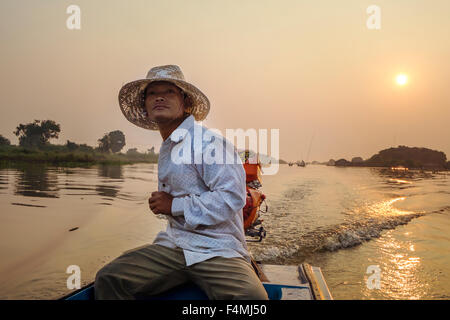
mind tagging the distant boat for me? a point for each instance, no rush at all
(399, 168)
(301, 163)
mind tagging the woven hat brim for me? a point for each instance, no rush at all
(131, 104)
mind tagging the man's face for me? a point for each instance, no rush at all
(164, 102)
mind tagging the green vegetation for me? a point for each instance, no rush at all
(34, 146)
(409, 157)
(4, 141)
(37, 133)
(57, 154)
(112, 142)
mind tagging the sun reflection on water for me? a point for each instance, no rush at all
(399, 181)
(386, 208)
(400, 271)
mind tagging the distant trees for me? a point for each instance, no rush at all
(4, 141)
(409, 157)
(37, 133)
(103, 144)
(342, 163)
(112, 142)
(72, 146)
(356, 160)
(134, 155)
(35, 146)
(132, 152)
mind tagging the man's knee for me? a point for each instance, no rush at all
(101, 277)
(106, 283)
(247, 292)
(106, 272)
(255, 291)
(259, 294)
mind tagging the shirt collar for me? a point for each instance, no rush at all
(178, 135)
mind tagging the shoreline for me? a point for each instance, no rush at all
(70, 158)
(72, 164)
(384, 167)
(85, 164)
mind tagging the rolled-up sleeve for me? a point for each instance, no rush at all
(226, 195)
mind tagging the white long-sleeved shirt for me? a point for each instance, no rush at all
(209, 195)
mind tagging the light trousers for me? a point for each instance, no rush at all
(153, 269)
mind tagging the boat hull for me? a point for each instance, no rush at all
(301, 282)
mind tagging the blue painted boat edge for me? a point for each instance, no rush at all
(186, 292)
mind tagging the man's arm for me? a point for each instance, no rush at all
(226, 195)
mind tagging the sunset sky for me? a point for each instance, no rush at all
(311, 69)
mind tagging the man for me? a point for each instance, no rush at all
(204, 241)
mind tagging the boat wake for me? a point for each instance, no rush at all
(280, 250)
(346, 236)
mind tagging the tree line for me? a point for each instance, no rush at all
(409, 157)
(37, 135)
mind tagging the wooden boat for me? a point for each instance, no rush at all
(302, 282)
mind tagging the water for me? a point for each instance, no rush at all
(348, 219)
(341, 219)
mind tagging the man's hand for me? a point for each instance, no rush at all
(160, 202)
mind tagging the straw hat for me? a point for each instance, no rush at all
(131, 96)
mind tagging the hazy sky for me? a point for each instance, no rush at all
(311, 69)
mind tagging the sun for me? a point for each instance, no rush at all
(401, 79)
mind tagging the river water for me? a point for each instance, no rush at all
(348, 221)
